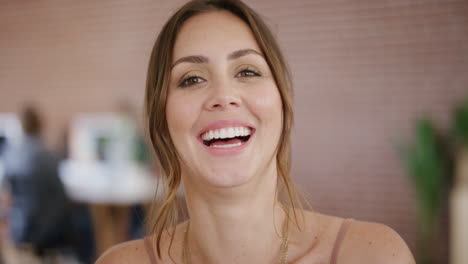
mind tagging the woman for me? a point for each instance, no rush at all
(219, 109)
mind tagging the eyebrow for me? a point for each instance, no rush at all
(202, 59)
(191, 59)
(239, 53)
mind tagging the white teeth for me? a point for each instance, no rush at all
(227, 145)
(244, 131)
(223, 133)
(229, 132)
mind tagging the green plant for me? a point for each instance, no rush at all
(460, 124)
(430, 165)
(428, 169)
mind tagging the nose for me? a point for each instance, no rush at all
(223, 97)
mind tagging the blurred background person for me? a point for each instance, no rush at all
(39, 213)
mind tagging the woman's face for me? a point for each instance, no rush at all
(224, 110)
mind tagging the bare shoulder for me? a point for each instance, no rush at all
(367, 242)
(135, 251)
(127, 252)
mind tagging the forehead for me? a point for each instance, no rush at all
(215, 33)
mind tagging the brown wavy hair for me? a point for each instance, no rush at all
(157, 86)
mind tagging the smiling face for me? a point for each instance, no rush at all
(224, 111)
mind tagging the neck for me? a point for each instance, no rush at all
(242, 224)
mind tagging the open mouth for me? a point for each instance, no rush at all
(226, 137)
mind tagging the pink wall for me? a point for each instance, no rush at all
(363, 71)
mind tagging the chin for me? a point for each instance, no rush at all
(225, 171)
(227, 177)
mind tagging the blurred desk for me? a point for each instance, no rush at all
(110, 190)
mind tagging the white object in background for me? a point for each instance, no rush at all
(10, 127)
(117, 133)
(459, 212)
(2, 173)
(12, 132)
(102, 183)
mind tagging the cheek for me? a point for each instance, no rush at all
(268, 104)
(179, 113)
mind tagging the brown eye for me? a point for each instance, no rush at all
(248, 73)
(191, 80)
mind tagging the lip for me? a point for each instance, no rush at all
(222, 152)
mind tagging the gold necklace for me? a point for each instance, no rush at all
(283, 259)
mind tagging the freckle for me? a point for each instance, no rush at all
(315, 237)
(370, 242)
